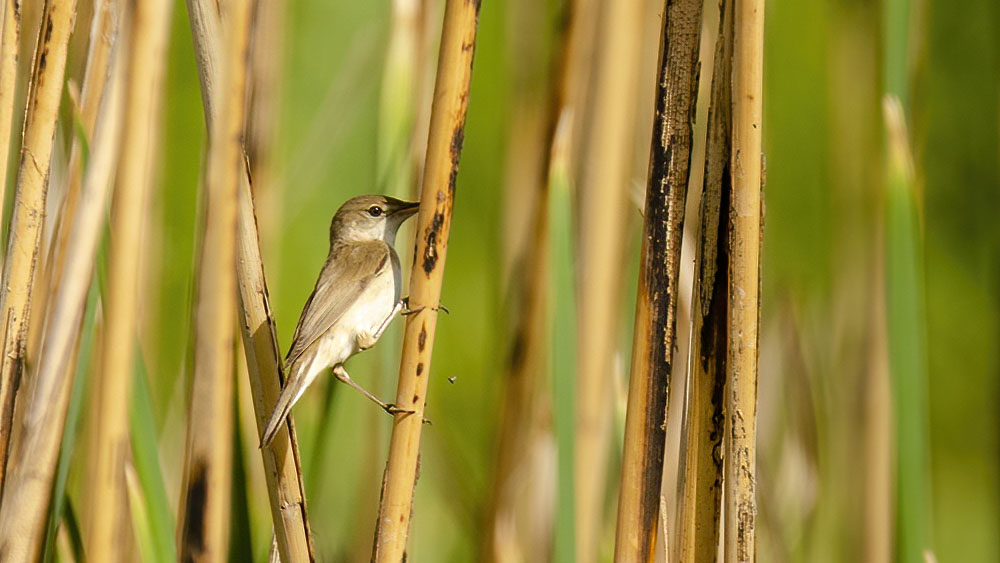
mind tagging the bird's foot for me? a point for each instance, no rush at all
(407, 311)
(394, 410)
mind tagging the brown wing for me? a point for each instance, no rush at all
(348, 270)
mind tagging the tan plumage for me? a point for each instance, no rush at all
(355, 297)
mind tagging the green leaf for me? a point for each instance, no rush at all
(563, 295)
(68, 444)
(145, 457)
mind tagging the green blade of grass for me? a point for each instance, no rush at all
(240, 544)
(72, 526)
(72, 422)
(906, 323)
(145, 458)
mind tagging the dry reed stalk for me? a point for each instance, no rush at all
(603, 193)
(581, 45)
(26, 501)
(10, 41)
(528, 137)
(700, 497)
(444, 147)
(519, 514)
(103, 32)
(877, 537)
(282, 467)
(44, 93)
(512, 532)
(656, 306)
(266, 56)
(744, 283)
(203, 522)
(144, 70)
(281, 458)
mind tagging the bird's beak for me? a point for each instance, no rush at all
(406, 209)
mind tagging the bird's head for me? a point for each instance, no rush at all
(370, 217)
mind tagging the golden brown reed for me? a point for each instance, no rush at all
(144, 70)
(744, 284)
(444, 146)
(10, 41)
(27, 493)
(700, 486)
(104, 29)
(520, 510)
(24, 244)
(655, 320)
(604, 182)
(203, 523)
(282, 468)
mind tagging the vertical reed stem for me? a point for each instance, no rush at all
(700, 496)
(27, 493)
(603, 193)
(281, 458)
(203, 524)
(744, 284)
(656, 306)
(444, 147)
(104, 28)
(10, 41)
(147, 46)
(44, 93)
(516, 528)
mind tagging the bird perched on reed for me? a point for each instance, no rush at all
(356, 296)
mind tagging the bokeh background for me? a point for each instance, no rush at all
(337, 134)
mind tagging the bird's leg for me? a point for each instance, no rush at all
(366, 340)
(341, 374)
(385, 323)
(407, 311)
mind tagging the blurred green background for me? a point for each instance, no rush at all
(824, 208)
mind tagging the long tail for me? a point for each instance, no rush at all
(294, 386)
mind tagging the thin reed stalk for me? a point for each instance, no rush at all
(581, 50)
(266, 57)
(282, 467)
(104, 32)
(515, 530)
(10, 41)
(26, 496)
(656, 304)
(147, 46)
(700, 497)
(519, 523)
(104, 27)
(444, 148)
(44, 93)
(203, 523)
(746, 218)
(603, 193)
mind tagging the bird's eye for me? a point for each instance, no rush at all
(374, 211)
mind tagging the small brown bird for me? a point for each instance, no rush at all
(355, 298)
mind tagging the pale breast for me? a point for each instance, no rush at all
(371, 309)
